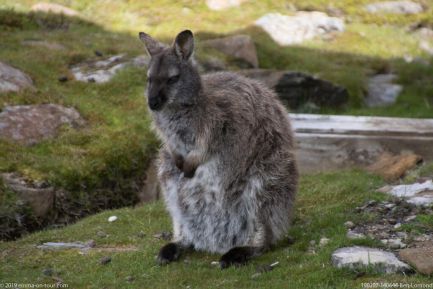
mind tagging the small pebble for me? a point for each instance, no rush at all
(163, 235)
(105, 260)
(112, 219)
(129, 278)
(402, 235)
(91, 243)
(101, 234)
(62, 78)
(215, 263)
(323, 242)
(349, 225)
(354, 236)
(141, 234)
(410, 218)
(48, 272)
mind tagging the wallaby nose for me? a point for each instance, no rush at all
(156, 102)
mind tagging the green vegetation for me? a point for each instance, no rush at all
(103, 163)
(324, 203)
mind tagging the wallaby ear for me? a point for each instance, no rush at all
(184, 44)
(153, 46)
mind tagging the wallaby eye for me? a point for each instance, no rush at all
(173, 79)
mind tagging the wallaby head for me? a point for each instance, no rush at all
(172, 79)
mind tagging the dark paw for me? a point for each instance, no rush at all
(178, 160)
(237, 256)
(188, 170)
(169, 253)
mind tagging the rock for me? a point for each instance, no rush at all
(410, 218)
(238, 46)
(349, 225)
(288, 30)
(30, 124)
(90, 244)
(112, 219)
(63, 78)
(324, 241)
(43, 44)
(355, 257)
(393, 167)
(395, 7)
(426, 46)
(218, 5)
(129, 279)
(37, 195)
(164, 236)
(417, 194)
(394, 243)
(211, 63)
(48, 272)
(354, 236)
(62, 245)
(381, 90)
(141, 60)
(100, 71)
(101, 234)
(53, 8)
(263, 269)
(13, 80)
(98, 53)
(420, 258)
(105, 260)
(296, 89)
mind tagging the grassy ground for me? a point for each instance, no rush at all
(102, 164)
(324, 203)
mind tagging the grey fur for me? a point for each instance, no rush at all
(227, 168)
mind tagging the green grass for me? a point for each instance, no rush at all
(324, 203)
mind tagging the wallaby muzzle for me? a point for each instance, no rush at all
(156, 102)
(156, 96)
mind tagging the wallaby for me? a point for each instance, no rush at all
(227, 168)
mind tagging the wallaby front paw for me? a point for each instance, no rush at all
(179, 161)
(168, 253)
(189, 170)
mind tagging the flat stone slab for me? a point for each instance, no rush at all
(357, 256)
(417, 194)
(420, 258)
(382, 91)
(13, 79)
(331, 142)
(288, 30)
(62, 245)
(395, 7)
(99, 71)
(30, 124)
(103, 70)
